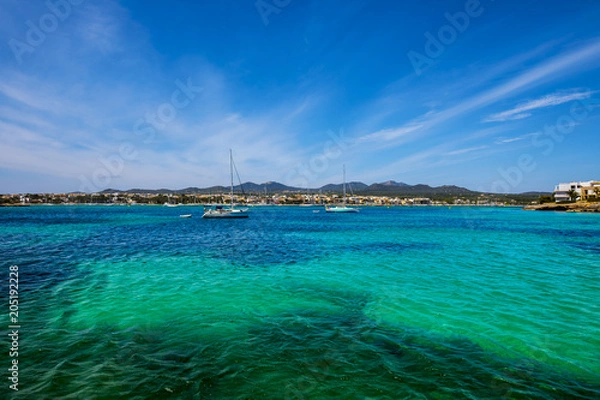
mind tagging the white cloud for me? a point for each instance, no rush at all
(70, 140)
(16, 91)
(509, 140)
(466, 150)
(504, 140)
(556, 67)
(566, 63)
(389, 134)
(519, 112)
(101, 27)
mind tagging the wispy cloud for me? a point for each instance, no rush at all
(522, 111)
(555, 67)
(14, 92)
(466, 150)
(566, 63)
(44, 130)
(389, 134)
(505, 140)
(102, 29)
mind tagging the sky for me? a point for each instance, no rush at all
(496, 96)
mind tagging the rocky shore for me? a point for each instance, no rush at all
(580, 206)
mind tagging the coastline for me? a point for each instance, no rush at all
(568, 207)
(362, 205)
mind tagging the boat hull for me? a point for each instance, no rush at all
(341, 210)
(225, 214)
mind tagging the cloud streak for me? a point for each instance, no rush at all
(554, 68)
(523, 111)
(387, 135)
(466, 150)
(557, 67)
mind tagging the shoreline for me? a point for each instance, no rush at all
(17, 205)
(567, 207)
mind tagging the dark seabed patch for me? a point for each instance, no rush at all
(291, 355)
(593, 247)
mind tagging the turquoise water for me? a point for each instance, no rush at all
(390, 303)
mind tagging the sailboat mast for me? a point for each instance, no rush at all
(344, 184)
(231, 174)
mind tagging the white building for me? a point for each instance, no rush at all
(582, 189)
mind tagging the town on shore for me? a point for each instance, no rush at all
(125, 198)
(566, 196)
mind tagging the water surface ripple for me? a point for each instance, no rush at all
(390, 303)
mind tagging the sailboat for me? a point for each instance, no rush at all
(168, 202)
(343, 208)
(220, 211)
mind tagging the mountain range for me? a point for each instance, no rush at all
(388, 188)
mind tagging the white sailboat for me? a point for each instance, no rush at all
(343, 208)
(168, 203)
(220, 211)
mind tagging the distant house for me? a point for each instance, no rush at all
(421, 201)
(584, 190)
(590, 191)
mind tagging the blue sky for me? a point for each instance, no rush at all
(499, 96)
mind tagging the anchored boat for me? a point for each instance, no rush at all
(221, 211)
(343, 208)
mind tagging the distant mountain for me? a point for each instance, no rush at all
(393, 183)
(113, 191)
(388, 188)
(338, 188)
(136, 190)
(270, 187)
(212, 189)
(536, 193)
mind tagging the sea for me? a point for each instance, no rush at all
(134, 302)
